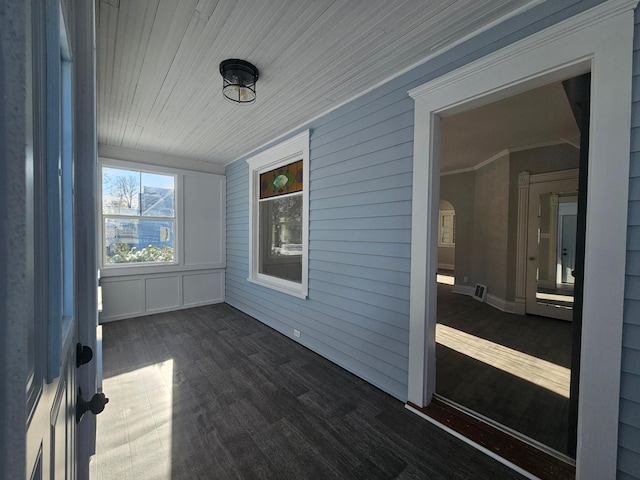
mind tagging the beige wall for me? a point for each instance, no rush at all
(491, 210)
(459, 191)
(446, 256)
(486, 205)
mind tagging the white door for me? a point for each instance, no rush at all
(544, 295)
(52, 390)
(567, 227)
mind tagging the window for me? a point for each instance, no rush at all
(278, 229)
(138, 217)
(447, 228)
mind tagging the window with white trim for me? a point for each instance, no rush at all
(447, 228)
(138, 217)
(279, 216)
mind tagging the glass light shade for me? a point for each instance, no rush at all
(239, 81)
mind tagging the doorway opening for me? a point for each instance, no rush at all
(511, 170)
(599, 41)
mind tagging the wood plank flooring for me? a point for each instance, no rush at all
(530, 406)
(210, 393)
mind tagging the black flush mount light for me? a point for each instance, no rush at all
(239, 81)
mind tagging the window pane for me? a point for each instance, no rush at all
(128, 241)
(447, 228)
(281, 238)
(68, 285)
(157, 195)
(120, 191)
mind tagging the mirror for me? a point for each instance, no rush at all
(556, 236)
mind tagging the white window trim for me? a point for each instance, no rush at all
(599, 40)
(114, 269)
(285, 152)
(441, 215)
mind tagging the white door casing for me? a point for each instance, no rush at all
(533, 306)
(599, 40)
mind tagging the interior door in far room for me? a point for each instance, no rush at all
(551, 242)
(566, 253)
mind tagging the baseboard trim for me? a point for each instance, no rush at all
(505, 305)
(463, 289)
(496, 302)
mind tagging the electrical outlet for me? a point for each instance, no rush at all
(296, 333)
(466, 279)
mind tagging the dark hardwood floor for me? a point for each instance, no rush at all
(522, 405)
(210, 393)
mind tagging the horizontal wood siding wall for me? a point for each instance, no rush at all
(359, 248)
(357, 312)
(629, 434)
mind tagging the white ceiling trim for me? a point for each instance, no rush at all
(148, 158)
(508, 151)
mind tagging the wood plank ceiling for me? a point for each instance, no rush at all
(159, 87)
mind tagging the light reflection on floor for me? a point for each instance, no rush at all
(446, 279)
(535, 370)
(135, 441)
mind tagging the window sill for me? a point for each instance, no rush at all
(282, 286)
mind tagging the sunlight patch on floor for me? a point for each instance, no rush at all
(133, 437)
(446, 279)
(527, 367)
(555, 297)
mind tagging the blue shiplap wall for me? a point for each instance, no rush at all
(629, 433)
(359, 249)
(357, 313)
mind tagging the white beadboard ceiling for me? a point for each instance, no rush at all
(159, 87)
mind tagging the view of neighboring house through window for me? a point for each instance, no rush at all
(138, 216)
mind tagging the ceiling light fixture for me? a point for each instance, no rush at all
(239, 81)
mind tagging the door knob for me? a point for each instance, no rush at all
(532, 258)
(96, 404)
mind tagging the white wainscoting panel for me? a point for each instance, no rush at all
(122, 297)
(203, 288)
(137, 295)
(204, 225)
(162, 293)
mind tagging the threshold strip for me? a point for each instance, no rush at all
(497, 443)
